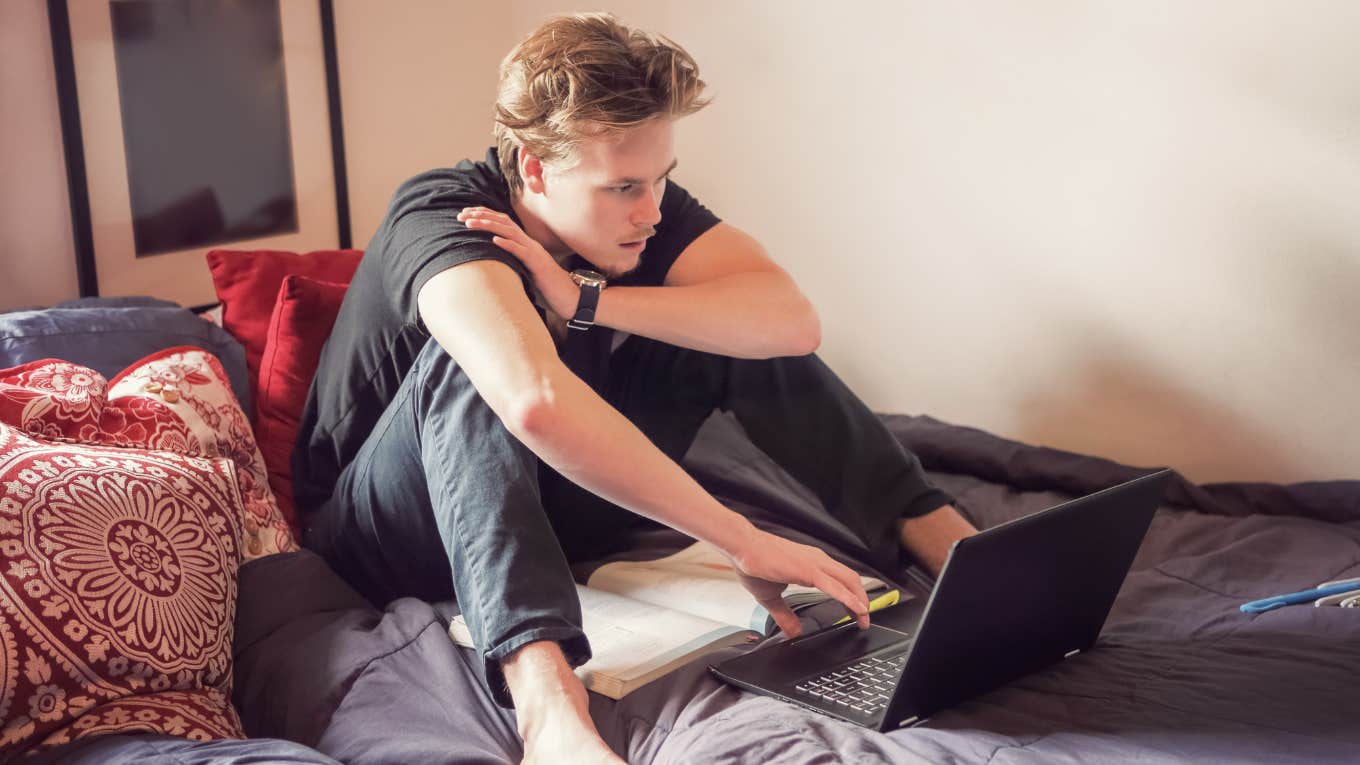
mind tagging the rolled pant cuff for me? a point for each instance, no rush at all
(890, 545)
(931, 500)
(574, 645)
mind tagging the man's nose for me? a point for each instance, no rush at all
(647, 211)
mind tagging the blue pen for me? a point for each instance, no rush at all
(1306, 596)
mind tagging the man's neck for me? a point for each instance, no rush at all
(537, 229)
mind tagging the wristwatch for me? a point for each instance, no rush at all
(592, 284)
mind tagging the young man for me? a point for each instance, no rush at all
(529, 346)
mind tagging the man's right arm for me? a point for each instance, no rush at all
(480, 315)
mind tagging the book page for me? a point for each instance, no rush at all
(633, 642)
(700, 580)
(630, 639)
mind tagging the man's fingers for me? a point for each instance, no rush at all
(857, 604)
(477, 217)
(848, 579)
(472, 211)
(514, 248)
(491, 224)
(784, 617)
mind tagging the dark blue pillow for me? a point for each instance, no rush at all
(135, 301)
(107, 335)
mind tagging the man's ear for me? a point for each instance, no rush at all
(531, 170)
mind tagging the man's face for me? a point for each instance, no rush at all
(606, 206)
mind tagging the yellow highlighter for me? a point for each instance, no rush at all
(888, 598)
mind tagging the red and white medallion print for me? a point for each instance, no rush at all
(117, 580)
(125, 511)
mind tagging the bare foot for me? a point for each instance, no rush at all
(552, 709)
(929, 537)
(564, 740)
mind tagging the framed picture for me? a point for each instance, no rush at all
(190, 125)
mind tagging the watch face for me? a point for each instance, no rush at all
(586, 277)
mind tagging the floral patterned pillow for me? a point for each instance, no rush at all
(117, 591)
(123, 520)
(178, 399)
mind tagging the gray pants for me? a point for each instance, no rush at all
(443, 500)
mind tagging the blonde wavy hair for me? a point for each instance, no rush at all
(582, 76)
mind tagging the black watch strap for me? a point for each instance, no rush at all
(585, 308)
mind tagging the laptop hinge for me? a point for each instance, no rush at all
(1071, 653)
(908, 721)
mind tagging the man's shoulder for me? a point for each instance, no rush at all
(466, 183)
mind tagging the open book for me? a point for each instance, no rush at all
(646, 618)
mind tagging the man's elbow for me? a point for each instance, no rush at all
(531, 414)
(807, 338)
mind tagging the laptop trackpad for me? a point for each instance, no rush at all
(782, 664)
(845, 644)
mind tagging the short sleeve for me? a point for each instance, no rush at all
(423, 236)
(683, 219)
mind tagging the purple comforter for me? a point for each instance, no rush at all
(1179, 674)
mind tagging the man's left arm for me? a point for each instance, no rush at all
(722, 295)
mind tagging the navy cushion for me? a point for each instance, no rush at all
(109, 334)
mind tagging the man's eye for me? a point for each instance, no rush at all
(624, 189)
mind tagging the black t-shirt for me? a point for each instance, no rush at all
(378, 332)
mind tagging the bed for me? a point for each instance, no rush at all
(1178, 675)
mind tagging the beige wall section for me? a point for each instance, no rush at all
(417, 82)
(1124, 229)
(1119, 228)
(37, 261)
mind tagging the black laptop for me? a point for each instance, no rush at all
(1010, 600)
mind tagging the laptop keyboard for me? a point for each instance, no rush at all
(865, 686)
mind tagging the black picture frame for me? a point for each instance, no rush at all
(74, 139)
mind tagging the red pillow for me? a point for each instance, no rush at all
(303, 317)
(247, 283)
(121, 536)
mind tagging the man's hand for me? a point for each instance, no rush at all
(551, 280)
(768, 564)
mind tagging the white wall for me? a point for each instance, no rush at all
(414, 91)
(417, 83)
(1129, 229)
(37, 251)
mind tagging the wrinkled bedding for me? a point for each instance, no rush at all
(1179, 674)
